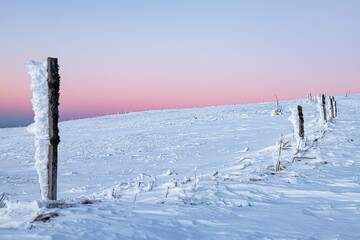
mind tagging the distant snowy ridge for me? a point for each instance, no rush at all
(40, 127)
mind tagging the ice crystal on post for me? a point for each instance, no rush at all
(40, 127)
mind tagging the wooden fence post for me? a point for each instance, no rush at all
(323, 104)
(301, 122)
(309, 96)
(332, 107)
(53, 93)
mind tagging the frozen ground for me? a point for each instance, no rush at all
(191, 174)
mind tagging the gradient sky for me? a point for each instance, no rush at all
(120, 56)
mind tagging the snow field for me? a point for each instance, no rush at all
(193, 174)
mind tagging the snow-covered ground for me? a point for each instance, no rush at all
(203, 173)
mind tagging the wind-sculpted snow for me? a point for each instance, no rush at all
(40, 127)
(192, 174)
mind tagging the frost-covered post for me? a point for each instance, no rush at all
(45, 101)
(333, 107)
(53, 92)
(301, 122)
(323, 105)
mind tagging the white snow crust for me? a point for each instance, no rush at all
(40, 127)
(205, 173)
